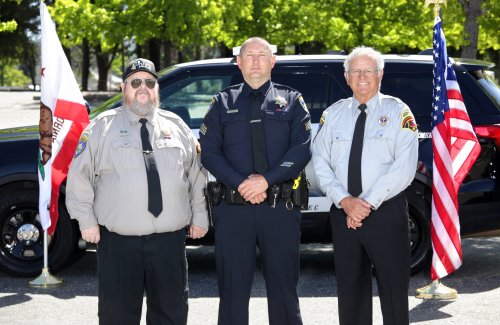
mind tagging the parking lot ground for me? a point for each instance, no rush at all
(477, 282)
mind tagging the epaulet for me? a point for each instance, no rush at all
(340, 101)
(392, 98)
(284, 87)
(170, 115)
(337, 104)
(232, 87)
(109, 112)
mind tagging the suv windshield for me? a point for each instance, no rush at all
(489, 86)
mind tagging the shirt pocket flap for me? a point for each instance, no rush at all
(228, 118)
(341, 136)
(125, 144)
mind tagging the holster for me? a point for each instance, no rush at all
(214, 192)
(300, 191)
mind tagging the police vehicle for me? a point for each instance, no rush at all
(186, 89)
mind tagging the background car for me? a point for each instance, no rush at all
(187, 89)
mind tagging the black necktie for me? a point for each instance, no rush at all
(258, 136)
(155, 203)
(354, 185)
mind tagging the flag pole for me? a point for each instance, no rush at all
(45, 279)
(436, 290)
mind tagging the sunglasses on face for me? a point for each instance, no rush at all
(136, 83)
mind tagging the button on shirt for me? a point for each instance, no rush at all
(107, 181)
(390, 151)
(226, 140)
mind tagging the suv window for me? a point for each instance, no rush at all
(314, 87)
(190, 97)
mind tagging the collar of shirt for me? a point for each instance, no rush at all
(371, 105)
(264, 89)
(134, 118)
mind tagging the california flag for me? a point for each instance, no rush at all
(63, 116)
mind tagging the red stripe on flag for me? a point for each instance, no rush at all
(455, 148)
(60, 165)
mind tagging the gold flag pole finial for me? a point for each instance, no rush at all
(436, 5)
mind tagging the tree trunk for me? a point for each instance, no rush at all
(104, 61)
(225, 52)
(197, 52)
(154, 53)
(67, 52)
(138, 51)
(85, 64)
(167, 54)
(472, 10)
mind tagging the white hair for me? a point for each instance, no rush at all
(365, 51)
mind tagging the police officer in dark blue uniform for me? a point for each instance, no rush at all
(255, 139)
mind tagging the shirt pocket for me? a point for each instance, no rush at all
(127, 153)
(277, 127)
(379, 146)
(236, 127)
(340, 148)
(170, 153)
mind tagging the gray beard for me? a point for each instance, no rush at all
(142, 109)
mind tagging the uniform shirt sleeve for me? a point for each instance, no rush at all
(81, 177)
(299, 152)
(212, 156)
(197, 178)
(325, 173)
(402, 171)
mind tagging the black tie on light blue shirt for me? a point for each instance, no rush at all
(155, 203)
(354, 183)
(258, 136)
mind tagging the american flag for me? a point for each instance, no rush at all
(455, 148)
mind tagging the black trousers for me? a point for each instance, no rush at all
(276, 232)
(382, 242)
(128, 266)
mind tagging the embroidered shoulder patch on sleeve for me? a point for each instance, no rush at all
(303, 104)
(82, 143)
(407, 120)
(212, 103)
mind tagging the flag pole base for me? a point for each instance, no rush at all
(46, 280)
(436, 290)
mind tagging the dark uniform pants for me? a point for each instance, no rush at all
(128, 266)
(276, 231)
(382, 241)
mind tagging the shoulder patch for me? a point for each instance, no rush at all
(82, 143)
(303, 104)
(212, 104)
(407, 120)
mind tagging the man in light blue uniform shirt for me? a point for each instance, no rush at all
(369, 220)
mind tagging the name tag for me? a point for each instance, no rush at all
(168, 143)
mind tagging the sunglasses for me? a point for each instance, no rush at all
(136, 83)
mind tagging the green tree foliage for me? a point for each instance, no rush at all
(11, 25)
(11, 75)
(153, 27)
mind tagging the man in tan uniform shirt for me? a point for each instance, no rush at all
(107, 192)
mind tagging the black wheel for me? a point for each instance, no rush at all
(21, 241)
(420, 233)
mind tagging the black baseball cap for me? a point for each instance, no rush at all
(139, 65)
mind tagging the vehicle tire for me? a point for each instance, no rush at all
(24, 257)
(420, 232)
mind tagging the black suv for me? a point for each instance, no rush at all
(186, 89)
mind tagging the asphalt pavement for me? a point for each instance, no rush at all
(75, 302)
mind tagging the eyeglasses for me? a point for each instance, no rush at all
(358, 72)
(136, 83)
